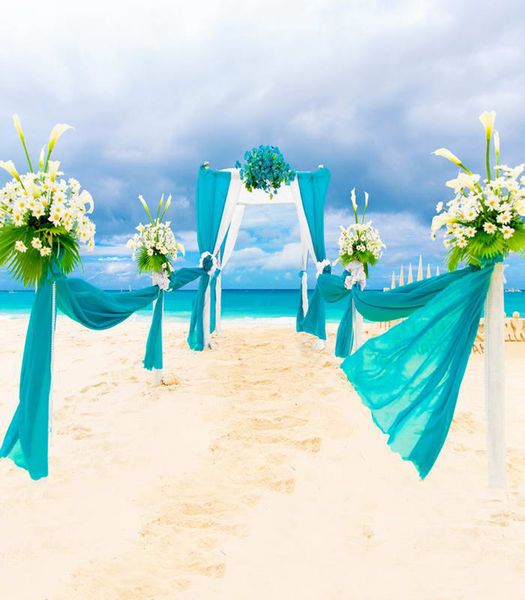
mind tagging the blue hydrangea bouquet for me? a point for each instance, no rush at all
(265, 169)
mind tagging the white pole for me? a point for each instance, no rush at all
(218, 303)
(358, 325)
(206, 318)
(495, 379)
(53, 325)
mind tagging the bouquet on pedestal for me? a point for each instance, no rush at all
(360, 245)
(43, 217)
(485, 219)
(154, 247)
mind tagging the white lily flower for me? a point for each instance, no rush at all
(87, 201)
(366, 200)
(41, 159)
(487, 119)
(18, 126)
(496, 145)
(463, 180)
(353, 198)
(56, 133)
(53, 167)
(445, 153)
(9, 166)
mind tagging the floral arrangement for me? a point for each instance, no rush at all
(485, 219)
(360, 242)
(154, 247)
(265, 169)
(43, 217)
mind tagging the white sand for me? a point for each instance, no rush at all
(257, 474)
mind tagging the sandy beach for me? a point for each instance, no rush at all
(255, 473)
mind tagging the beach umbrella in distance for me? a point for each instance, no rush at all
(401, 276)
(429, 272)
(420, 269)
(437, 271)
(410, 277)
(393, 282)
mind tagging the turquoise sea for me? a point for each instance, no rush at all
(236, 304)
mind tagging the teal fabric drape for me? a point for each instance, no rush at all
(410, 376)
(212, 190)
(313, 187)
(99, 309)
(153, 358)
(26, 440)
(380, 306)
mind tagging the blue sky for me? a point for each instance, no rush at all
(366, 88)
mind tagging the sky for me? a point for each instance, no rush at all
(367, 88)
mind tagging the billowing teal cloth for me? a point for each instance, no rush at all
(212, 190)
(26, 440)
(98, 309)
(380, 306)
(410, 376)
(313, 187)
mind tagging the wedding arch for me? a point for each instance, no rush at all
(221, 199)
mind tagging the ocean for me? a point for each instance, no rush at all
(236, 304)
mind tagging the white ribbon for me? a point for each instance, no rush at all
(213, 261)
(320, 266)
(357, 275)
(161, 279)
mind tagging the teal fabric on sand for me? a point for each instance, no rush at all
(410, 376)
(314, 187)
(153, 358)
(212, 191)
(26, 440)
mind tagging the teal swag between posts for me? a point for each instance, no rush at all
(26, 440)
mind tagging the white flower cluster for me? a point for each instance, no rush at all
(495, 207)
(39, 199)
(157, 239)
(361, 242)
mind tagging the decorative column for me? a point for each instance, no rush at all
(495, 379)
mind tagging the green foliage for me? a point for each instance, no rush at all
(30, 267)
(150, 264)
(484, 246)
(366, 258)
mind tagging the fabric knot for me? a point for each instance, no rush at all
(208, 262)
(357, 275)
(323, 267)
(162, 279)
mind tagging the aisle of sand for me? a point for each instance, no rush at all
(255, 474)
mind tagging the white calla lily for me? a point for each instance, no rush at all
(353, 198)
(53, 167)
(18, 126)
(56, 133)
(496, 144)
(445, 153)
(487, 119)
(87, 200)
(9, 166)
